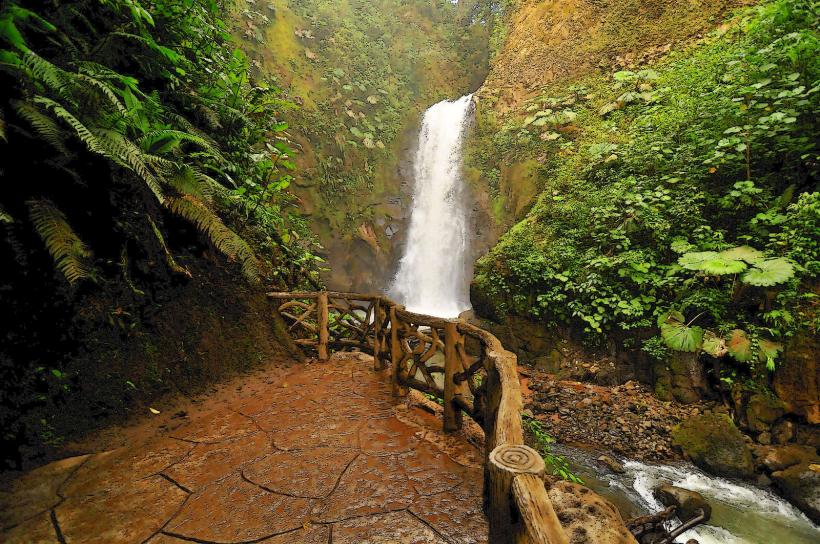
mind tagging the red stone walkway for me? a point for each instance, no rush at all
(311, 454)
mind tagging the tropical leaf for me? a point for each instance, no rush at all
(739, 346)
(710, 262)
(769, 272)
(678, 335)
(743, 253)
(693, 260)
(223, 238)
(70, 254)
(714, 345)
(767, 353)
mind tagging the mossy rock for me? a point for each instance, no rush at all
(763, 411)
(714, 443)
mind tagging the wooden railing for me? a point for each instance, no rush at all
(461, 364)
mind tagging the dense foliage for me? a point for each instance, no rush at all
(132, 143)
(363, 73)
(680, 199)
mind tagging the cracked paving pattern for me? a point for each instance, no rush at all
(312, 454)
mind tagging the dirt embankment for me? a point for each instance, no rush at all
(549, 41)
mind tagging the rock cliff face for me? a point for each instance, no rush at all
(797, 380)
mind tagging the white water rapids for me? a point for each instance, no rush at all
(741, 512)
(434, 272)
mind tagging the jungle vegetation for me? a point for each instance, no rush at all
(678, 205)
(135, 149)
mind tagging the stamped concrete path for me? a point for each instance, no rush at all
(319, 453)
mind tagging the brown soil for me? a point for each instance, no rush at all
(550, 41)
(626, 419)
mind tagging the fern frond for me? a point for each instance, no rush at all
(70, 254)
(182, 179)
(208, 185)
(104, 90)
(5, 217)
(223, 238)
(164, 140)
(169, 257)
(44, 125)
(82, 131)
(3, 128)
(124, 152)
(51, 76)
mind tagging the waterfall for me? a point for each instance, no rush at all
(434, 272)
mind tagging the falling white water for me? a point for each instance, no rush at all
(434, 274)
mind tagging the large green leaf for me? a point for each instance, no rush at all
(722, 266)
(743, 253)
(769, 272)
(679, 336)
(739, 346)
(693, 260)
(712, 263)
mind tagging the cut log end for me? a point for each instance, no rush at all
(517, 459)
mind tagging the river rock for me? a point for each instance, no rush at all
(800, 484)
(783, 432)
(688, 503)
(586, 517)
(612, 464)
(762, 411)
(783, 457)
(714, 444)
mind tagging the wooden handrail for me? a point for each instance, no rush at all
(484, 385)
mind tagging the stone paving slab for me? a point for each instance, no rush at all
(312, 454)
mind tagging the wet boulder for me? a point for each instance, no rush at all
(586, 517)
(800, 484)
(763, 411)
(713, 442)
(612, 464)
(689, 504)
(783, 457)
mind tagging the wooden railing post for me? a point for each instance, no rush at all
(322, 319)
(378, 323)
(452, 412)
(517, 485)
(395, 355)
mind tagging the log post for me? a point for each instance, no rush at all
(540, 523)
(378, 323)
(452, 413)
(513, 518)
(395, 355)
(322, 325)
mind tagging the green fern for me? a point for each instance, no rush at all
(82, 131)
(223, 238)
(70, 254)
(48, 74)
(5, 217)
(45, 126)
(124, 152)
(165, 140)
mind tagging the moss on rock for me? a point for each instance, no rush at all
(713, 442)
